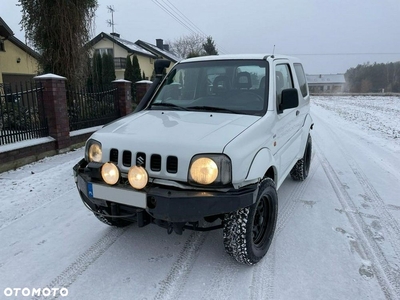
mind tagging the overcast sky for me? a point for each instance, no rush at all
(329, 36)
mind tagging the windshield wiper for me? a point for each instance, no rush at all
(212, 108)
(168, 105)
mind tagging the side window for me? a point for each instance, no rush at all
(283, 80)
(302, 79)
(2, 45)
(102, 51)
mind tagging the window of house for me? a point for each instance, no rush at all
(120, 62)
(102, 51)
(2, 45)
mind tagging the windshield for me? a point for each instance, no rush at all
(226, 86)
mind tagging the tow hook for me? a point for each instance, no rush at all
(176, 227)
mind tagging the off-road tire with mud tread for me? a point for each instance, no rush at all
(240, 240)
(302, 167)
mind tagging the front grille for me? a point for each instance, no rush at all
(114, 155)
(156, 162)
(127, 158)
(172, 164)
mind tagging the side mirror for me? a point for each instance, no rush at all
(160, 65)
(289, 99)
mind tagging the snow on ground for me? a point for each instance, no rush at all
(379, 115)
(337, 236)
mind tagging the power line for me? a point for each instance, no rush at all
(173, 16)
(351, 53)
(185, 18)
(180, 17)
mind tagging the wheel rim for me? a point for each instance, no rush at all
(262, 220)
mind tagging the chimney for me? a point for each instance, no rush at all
(115, 34)
(159, 44)
(166, 47)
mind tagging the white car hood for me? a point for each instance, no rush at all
(174, 131)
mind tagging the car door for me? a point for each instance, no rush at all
(287, 126)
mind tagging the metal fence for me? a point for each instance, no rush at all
(22, 114)
(91, 107)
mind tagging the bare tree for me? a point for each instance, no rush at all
(189, 45)
(59, 30)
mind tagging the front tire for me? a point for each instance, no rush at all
(248, 232)
(302, 167)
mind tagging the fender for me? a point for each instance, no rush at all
(307, 126)
(262, 161)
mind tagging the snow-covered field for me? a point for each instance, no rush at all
(337, 237)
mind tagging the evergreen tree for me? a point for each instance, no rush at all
(209, 47)
(128, 75)
(108, 69)
(137, 74)
(373, 78)
(96, 69)
(89, 81)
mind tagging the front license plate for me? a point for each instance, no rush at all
(117, 195)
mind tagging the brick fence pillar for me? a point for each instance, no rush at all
(141, 88)
(123, 100)
(56, 109)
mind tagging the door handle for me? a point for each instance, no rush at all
(297, 112)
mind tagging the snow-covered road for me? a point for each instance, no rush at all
(337, 237)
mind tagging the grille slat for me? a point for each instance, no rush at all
(172, 164)
(114, 155)
(127, 158)
(155, 162)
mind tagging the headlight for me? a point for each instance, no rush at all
(137, 177)
(210, 169)
(204, 170)
(110, 173)
(93, 151)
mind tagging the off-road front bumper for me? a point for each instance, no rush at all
(162, 202)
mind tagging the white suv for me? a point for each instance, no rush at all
(207, 148)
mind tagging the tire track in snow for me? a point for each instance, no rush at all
(264, 272)
(287, 210)
(262, 281)
(368, 247)
(384, 222)
(171, 287)
(222, 278)
(70, 274)
(60, 183)
(379, 206)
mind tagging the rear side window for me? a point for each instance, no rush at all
(302, 79)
